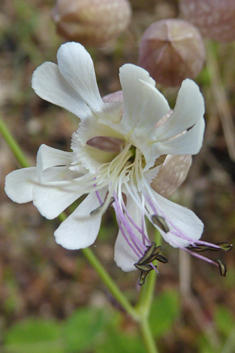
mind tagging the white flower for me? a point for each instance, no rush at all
(130, 152)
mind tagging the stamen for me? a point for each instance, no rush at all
(126, 238)
(144, 268)
(123, 219)
(217, 247)
(145, 262)
(97, 194)
(143, 276)
(141, 231)
(222, 267)
(102, 206)
(194, 254)
(160, 222)
(161, 258)
(148, 255)
(225, 246)
(132, 240)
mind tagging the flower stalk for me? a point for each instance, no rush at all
(147, 336)
(15, 148)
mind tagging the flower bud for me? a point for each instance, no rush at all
(91, 22)
(171, 50)
(214, 18)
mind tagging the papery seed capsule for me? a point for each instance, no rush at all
(91, 22)
(171, 175)
(214, 18)
(171, 50)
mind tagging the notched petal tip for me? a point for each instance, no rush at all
(19, 184)
(77, 233)
(77, 68)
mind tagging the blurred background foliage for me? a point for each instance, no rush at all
(51, 300)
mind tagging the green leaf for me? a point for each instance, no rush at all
(164, 311)
(205, 346)
(34, 335)
(224, 320)
(117, 342)
(82, 329)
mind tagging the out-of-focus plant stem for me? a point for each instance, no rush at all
(15, 148)
(221, 101)
(144, 305)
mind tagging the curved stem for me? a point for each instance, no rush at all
(147, 290)
(16, 150)
(117, 294)
(147, 336)
(146, 294)
(144, 305)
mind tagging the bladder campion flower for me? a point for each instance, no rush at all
(130, 150)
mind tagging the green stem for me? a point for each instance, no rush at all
(118, 295)
(16, 150)
(147, 290)
(221, 100)
(146, 294)
(144, 305)
(147, 336)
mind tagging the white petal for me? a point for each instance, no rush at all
(51, 157)
(154, 108)
(52, 201)
(75, 233)
(58, 174)
(189, 109)
(49, 84)
(187, 143)
(171, 175)
(131, 78)
(19, 184)
(124, 256)
(180, 220)
(77, 67)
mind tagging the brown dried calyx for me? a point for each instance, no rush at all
(91, 22)
(171, 50)
(214, 18)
